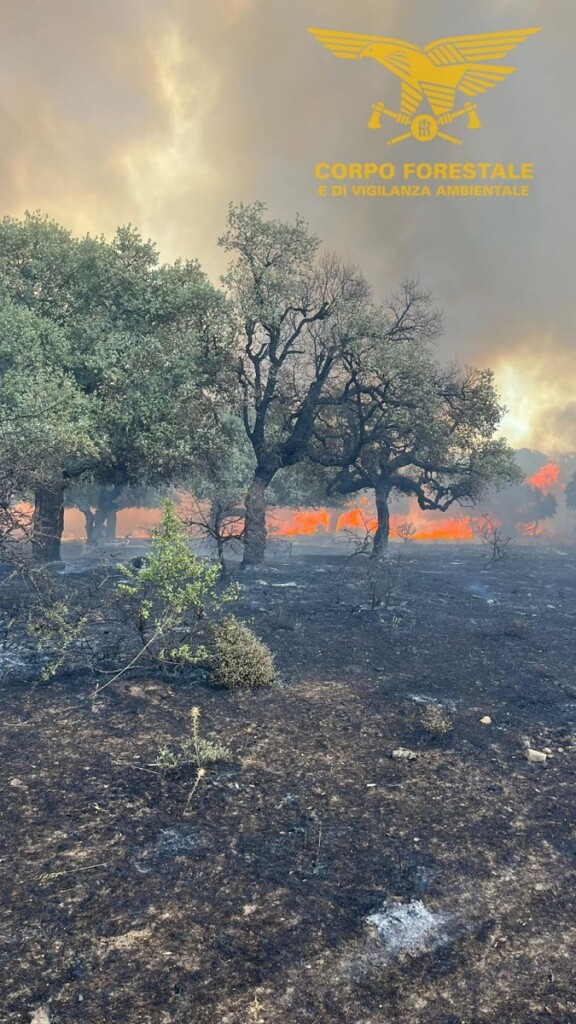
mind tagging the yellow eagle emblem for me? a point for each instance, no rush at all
(435, 73)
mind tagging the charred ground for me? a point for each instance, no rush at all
(252, 906)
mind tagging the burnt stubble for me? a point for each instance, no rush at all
(252, 906)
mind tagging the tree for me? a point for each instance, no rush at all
(144, 348)
(44, 421)
(402, 424)
(100, 504)
(217, 493)
(296, 312)
(219, 485)
(522, 508)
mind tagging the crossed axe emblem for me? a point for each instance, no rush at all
(424, 127)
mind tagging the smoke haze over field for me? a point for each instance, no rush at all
(159, 113)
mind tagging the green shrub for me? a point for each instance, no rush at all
(238, 658)
(171, 595)
(195, 749)
(59, 632)
(436, 722)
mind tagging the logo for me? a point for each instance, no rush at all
(432, 78)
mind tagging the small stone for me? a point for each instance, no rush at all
(40, 1016)
(560, 750)
(486, 720)
(546, 750)
(535, 756)
(403, 754)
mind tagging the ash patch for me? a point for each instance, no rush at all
(408, 928)
(170, 843)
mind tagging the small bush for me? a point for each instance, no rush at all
(436, 722)
(58, 631)
(238, 658)
(193, 750)
(169, 593)
(406, 531)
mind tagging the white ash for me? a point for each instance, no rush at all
(409, 927)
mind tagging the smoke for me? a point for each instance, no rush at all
(160, 114)
(536, 375)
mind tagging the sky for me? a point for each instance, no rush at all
(161, 112)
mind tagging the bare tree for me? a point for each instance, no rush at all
(221, 521)
(494, 538)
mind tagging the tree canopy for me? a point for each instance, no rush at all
(138, 353)
(122, 372)
(298, 312)
(399, 422)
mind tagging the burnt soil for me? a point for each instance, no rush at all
(250, 907)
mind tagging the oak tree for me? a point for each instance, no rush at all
(403, 424)
(296, 311)
(142, 350)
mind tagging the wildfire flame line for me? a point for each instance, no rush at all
(306, 522)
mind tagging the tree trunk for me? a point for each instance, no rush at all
(48, 522)
(111, 524)
(89, 522)
(105, 517)
(383, 531)
(215, 529)
(99, 522)
(255, 527)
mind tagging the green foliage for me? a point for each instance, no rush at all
(57, 629)
(113, 365)
(238, 658)
(172, 594)
(194, 750)
(402, 423)
(436, 721)
(44, 420)
(159, 613)
(295, 312)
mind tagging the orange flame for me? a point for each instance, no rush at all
(298, 522)
(356, 519)
(414, 524)
(427, 526)
(530, 529)
(546, 477)
(448, 529)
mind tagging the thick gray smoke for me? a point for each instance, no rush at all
(160, 113)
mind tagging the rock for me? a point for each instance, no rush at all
(535, 756)
(486, 720)
(140, 562)
(403, 754)
(547, 750)
(40, 1016)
